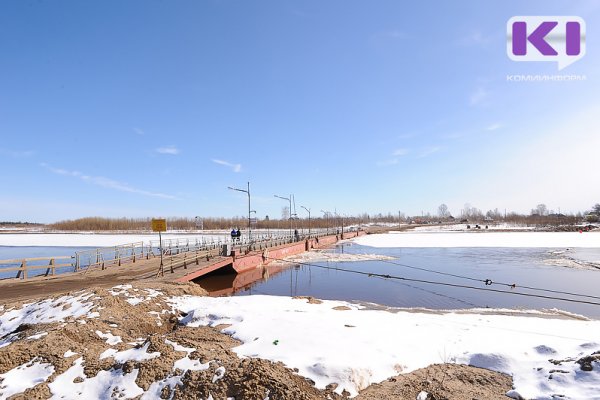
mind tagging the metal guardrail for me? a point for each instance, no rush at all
(104, 257)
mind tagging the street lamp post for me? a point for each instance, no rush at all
(326, 215)
(249, 210)
(289, 199)
(308, 210)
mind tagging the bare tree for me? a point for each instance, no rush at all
(540, 210)
(443, 211)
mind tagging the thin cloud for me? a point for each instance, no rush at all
(400, 152)
(429, 151)
(139, 131)
(17, 153)
(475, 38)
(171, 150)
(384, 163)
(105, 182)
(234, 167)
(493, 127)
(478, 96)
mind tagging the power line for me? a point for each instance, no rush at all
(490, 282)
(387, 276)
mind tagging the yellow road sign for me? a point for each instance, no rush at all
(159, 225)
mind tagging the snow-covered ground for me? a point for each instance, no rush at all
(463, 227)
(335, 342)
(483, 239)
(92, 239)
(355, 348)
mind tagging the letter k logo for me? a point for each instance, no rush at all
(537, 38)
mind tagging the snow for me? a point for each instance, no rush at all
(219, 374)
(463, 227)
(23, 377)
(134, 300)
(69, 353)
(94, 239)
(155, 390)
(324, 256)
(37, 336)
(318, 341)
(110, 338)
(177, 347)
(186, 363)
(482, 239)
(113, 383)
(135, 354)
(422, 395)
(8, 339)
(46, 311)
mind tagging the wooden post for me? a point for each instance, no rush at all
(133, 251)
(52, 262)
(24, 266)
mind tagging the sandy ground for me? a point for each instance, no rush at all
(150, 323)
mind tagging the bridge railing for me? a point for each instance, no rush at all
(105, 257)
(23, 266)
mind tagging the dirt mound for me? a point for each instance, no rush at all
(133, 331)
(441, 382)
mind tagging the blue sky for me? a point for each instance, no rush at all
(147, 108)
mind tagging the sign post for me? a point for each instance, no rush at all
(160, 225)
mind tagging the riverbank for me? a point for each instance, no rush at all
(170, 341)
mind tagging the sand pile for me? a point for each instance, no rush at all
(127, 342)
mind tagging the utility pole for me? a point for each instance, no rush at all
(249, 210)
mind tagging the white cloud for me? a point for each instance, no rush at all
(172, 150)
(478, 96)
(105, 182)
(429, 151)
(400, 152)
(234, 167)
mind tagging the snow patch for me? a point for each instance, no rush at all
(110, 338)
(482, 239)
(73, 383)
(24, 377)
(46, 311)
(135, 354)
(355, 358)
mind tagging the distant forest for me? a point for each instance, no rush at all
(539, 216)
